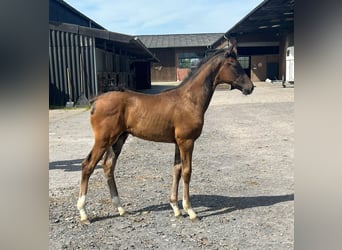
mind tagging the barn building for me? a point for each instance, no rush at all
(177, 53)
(264, 37)
(85, 59)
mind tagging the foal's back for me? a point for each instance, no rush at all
(150, 117)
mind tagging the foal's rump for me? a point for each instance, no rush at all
(106, 116)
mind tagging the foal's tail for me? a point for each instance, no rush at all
(91, 101)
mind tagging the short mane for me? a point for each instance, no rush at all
(203, 61)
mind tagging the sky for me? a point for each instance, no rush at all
(158, 17)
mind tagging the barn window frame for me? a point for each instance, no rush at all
(244, 61)
(189, 60)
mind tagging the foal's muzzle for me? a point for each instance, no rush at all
(248, 91)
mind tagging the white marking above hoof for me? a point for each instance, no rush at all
(176, 210)
(122, 211)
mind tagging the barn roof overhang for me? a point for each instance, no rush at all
(199, 40)
(269, 18)
(56, 7)
(107, 39)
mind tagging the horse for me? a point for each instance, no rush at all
(172, 116)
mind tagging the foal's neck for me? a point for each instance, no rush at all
(200, 87)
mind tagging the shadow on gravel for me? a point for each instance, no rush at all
(68, 166)
(217, 204)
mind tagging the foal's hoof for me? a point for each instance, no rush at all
(193, 218)
(192, 214)
(85, 222)
(122, 211)
(179, 215)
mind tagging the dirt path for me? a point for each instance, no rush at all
(242, 183)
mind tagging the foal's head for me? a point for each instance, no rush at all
(232, 73)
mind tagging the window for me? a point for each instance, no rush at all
(189, 60)
(244, 61)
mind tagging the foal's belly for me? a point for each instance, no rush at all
(152, 128)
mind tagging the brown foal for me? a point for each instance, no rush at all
(173, 116)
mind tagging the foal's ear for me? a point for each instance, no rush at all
(231, 51)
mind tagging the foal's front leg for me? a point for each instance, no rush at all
(177, 170)
(186, 147)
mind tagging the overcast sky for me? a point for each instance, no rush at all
(156, 17)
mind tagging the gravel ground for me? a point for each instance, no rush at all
(242, 185)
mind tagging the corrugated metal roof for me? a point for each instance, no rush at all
(131, 43)
(60, 11)
(269, 16)
(179, 40)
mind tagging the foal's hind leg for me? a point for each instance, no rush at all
(177, 170)
(88, 166)
(108, 164)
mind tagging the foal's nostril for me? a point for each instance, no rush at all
(248, 91)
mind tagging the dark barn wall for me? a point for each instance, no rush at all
(143, 75)
(263, 67)
(113, 70)
(165, 70)
(71, 61)
(117, 69)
